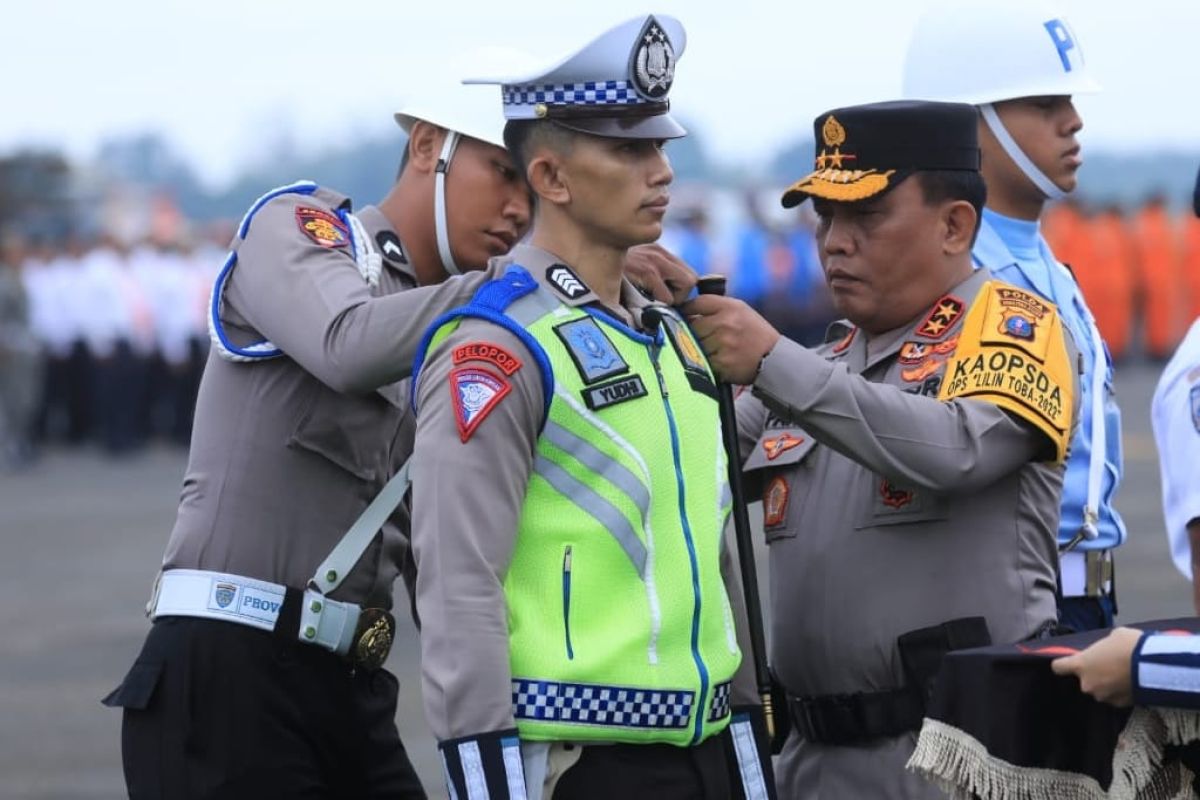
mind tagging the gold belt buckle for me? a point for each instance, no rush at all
(373, 637)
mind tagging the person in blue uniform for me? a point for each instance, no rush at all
(1020, 65)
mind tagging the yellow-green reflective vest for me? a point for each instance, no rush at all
(620, 629)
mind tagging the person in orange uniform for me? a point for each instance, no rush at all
(1108, 278)
(1158, 257)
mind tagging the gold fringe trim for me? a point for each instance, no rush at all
(1182, 725)
(958, 764)
(842, 185)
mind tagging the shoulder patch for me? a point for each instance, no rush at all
(1030, 376)
(594, 354)
(474, 393)
(941, 318)
(486, 351)
(322, 227)
(1194, 397)
(564, 279)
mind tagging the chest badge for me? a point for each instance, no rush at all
(776, 446)
(775, 501)
(594, 354)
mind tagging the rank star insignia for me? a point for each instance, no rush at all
(778, 445)
(944, 314)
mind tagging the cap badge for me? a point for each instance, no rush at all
(653, 62)
(832, 132)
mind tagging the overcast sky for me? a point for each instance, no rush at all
(226, 79)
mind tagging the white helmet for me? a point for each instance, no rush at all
(991, 50)
(984, 52)
(474, 111)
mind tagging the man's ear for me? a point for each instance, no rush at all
(548, 178)
(959, 220)
(424, 146)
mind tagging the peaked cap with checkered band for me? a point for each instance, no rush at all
(616, 85)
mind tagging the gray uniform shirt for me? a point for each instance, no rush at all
(887, 511)
(467, 500)
(287, 453)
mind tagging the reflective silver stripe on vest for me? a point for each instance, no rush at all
(591, 457)
(605, 512)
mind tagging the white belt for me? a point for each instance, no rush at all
(1073, 566)
(246, 601)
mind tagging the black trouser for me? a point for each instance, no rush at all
(651, 771)
(216, 709)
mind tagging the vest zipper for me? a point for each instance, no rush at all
(702, 700)
(566, 588)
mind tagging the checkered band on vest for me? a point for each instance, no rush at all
(589, 93)
(593, 704)
(720, 702)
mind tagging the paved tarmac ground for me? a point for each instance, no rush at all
(81, 537)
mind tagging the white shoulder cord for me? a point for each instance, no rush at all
(1099, 455)
(1044, 184)
(370, 263)
(439, 203)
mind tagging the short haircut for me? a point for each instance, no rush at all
(940, 185)
(522, 137)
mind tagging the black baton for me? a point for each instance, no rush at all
(715, 284)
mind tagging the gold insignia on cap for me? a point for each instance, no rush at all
(832, 132)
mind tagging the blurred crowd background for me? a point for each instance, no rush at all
(106, 269)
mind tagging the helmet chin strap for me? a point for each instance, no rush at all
(439, 203)
(1043, 183)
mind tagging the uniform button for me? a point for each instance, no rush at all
(331, 576)
(310, 632)
(316, 606)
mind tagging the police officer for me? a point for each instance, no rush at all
(911, 466)
(261, 671)
(569, 499)
(1020, 64)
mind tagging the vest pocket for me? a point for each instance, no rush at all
(566, 595)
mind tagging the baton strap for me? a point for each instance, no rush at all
(337, 565)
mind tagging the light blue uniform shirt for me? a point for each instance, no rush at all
(1016, 252)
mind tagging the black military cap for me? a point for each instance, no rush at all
(863, 151)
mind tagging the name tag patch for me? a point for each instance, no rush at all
(618, 391)
(595, 356)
